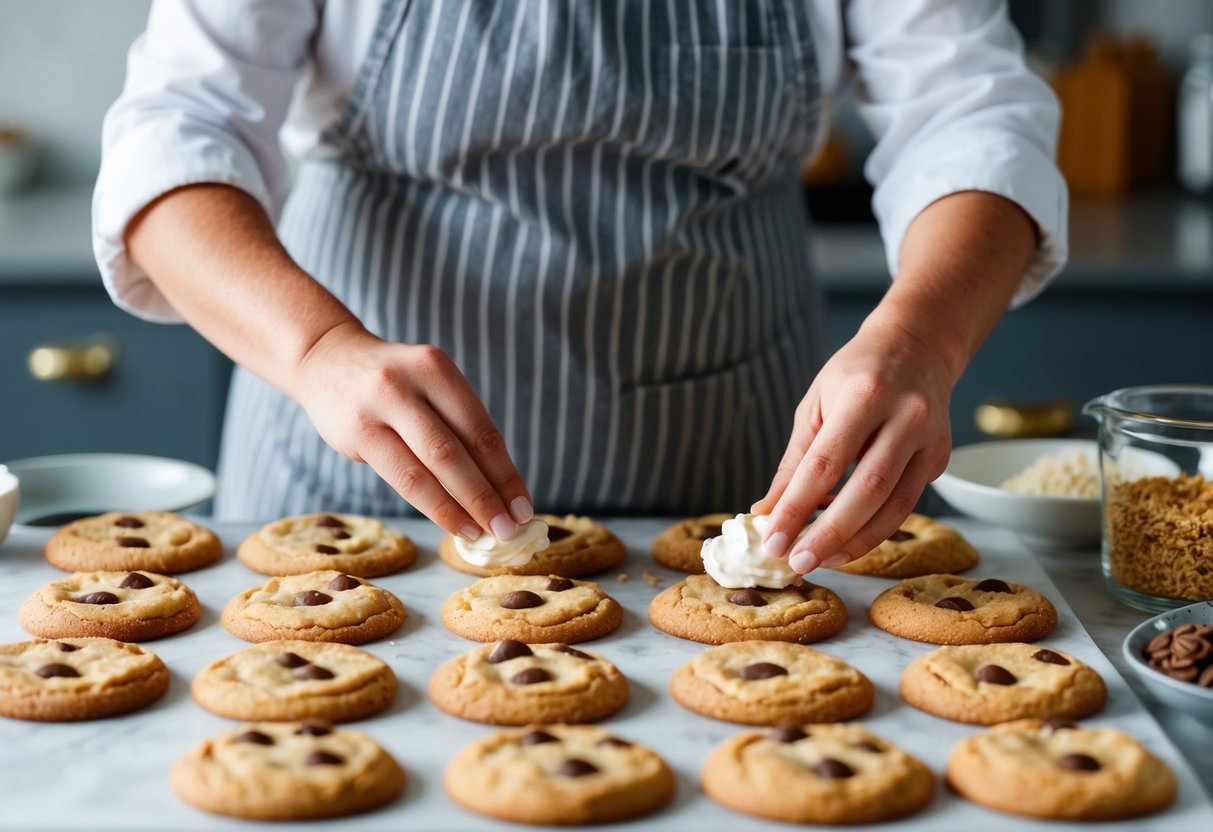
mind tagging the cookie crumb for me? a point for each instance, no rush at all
(622, 577)
(650, 578)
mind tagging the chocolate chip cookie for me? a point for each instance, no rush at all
(287, 771)
(946, 609)
(984, 684)
(1060, 771)
(577, 546)
(313, 542)
(77, 678)
(289, 680)
(127, 606)
(819, 774)
(531, 608)
(510, 683)
(921, 546)
(678, 546)
(558, 774)
(765, 682)
(699, 609)
(147, 541)
(317, 606)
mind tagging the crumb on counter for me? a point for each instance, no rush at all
(622, 577)
(1070, 474)
(650, 578)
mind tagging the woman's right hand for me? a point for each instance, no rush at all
(407, 411)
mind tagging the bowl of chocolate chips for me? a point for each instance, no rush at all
(1172, 654)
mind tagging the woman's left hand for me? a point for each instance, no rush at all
(882, 402)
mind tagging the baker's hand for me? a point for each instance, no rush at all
(408, 412)
(882, 402)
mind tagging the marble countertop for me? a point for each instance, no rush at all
(111, 774)
(1160, 242)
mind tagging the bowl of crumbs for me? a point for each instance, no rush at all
(1044, 490)
(1172, 654)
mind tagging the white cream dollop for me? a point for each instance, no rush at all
(736, 559)
(488, 552)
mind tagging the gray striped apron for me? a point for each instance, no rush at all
(594, 208)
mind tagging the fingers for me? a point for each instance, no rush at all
(457, 405)
(435, 444)
(816, 474)
(869, 488)
(387, 454)
(803, 432)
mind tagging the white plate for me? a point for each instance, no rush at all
(971, 485)
(84, 484)
(9, 495)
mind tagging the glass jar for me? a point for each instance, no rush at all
(1156, 455)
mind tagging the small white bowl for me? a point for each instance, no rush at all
(1183, 696)
(972, 485)
(54, 489)
(10, 492)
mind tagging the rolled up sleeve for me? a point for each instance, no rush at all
(944, 88)
(207, 89)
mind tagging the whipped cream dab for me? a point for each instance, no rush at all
(736, 559)
(488, 552)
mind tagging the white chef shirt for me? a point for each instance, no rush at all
(218, 90)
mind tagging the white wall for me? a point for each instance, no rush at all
(61, 65)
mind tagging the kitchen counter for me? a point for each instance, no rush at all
(1154, 242)
(110, 774)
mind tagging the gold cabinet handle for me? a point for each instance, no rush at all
(1017, 420)
(89, 360)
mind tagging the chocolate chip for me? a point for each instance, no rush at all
(328, 521)
(64, 647)
(520, 599)
(572, 651)
(64, 670)
(575, 768)
(291, 660)
(536, 738)
(508, 649)
(994, 585)
(832, 769)
(704, 532)
(614, 742)
(311, 598)
(136, 580)
(1049, 657)
(958, 604)
(341, 534)
(129, 523)
(558, 584)
(313, 672)
(97, 598)
(1079, 762)
(995, 675)
(747, 598)
(901, 535)
(133, 543)
(531, 676)
(314, 728)
(557, 533)
(343, 583)
(1057, 723)
(323, 758)
(788, 733)
(325, 549)
(762, 670)
(254, 737)
(867, 746)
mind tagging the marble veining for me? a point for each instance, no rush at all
(111, 774)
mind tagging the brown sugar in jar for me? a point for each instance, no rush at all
(1159, 536)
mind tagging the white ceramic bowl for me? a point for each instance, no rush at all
(9, 497)
(971, 485)
(1184, 696)
(60, 487)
